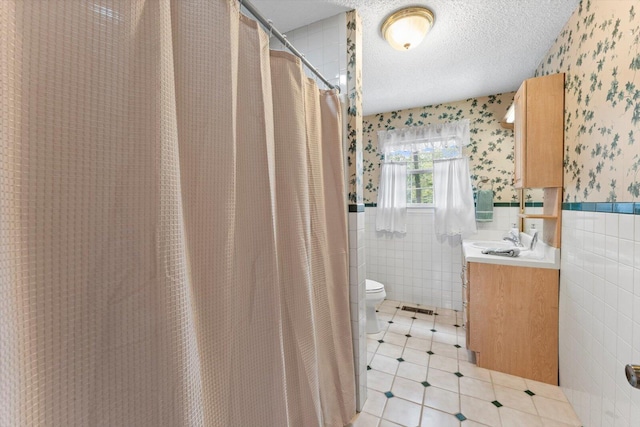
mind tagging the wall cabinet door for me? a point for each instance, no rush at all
(539, 132)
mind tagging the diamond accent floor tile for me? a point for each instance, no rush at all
(415, 366)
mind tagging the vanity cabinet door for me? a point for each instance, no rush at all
(539, 132)
(514, 313)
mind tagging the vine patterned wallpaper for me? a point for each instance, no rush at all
(599, 50)
(354, 110)
(490, 151)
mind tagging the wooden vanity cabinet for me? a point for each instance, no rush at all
(465, 300)
(539, 132)
(512, 319)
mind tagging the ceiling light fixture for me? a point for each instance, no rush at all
(406, 28)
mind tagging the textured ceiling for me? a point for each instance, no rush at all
(475, 48)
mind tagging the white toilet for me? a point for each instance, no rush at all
(375, 296)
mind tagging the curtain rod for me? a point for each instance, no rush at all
(287, 44)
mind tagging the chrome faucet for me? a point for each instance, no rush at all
(534, 240)
(514, 238)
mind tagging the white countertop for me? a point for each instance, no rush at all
(543, 256)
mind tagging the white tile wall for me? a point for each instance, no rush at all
(503, 218)
(357, 294)
(600, 315)
(417, 267)
(324, 44)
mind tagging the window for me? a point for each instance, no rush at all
(410, 157)
(420, 172)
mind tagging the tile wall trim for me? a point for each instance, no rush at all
(517, 204)
(496, 205)
(356, 207)
(629, 208)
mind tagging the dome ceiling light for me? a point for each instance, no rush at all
(406, 28)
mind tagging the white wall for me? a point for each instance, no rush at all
(418, 268)
(324, 44)
(600, 315)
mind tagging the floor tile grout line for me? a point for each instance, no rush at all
(458, 360)
(395, 375)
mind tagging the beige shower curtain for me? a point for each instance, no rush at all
(173, 244)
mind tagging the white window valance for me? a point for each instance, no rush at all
(419, 138)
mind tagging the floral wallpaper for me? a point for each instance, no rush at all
(490, 151)
(354, 111)
(599, 50)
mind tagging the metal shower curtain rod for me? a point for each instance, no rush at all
(273, 30)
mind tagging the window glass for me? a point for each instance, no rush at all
(420, 171)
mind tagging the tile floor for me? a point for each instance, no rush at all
(420, 374)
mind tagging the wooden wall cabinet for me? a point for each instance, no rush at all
(538, 151)
(539, 132)
(550, 216)
(511, 319)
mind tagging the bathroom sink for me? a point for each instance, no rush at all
(485, 244)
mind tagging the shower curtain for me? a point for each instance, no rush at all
(172, 222)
